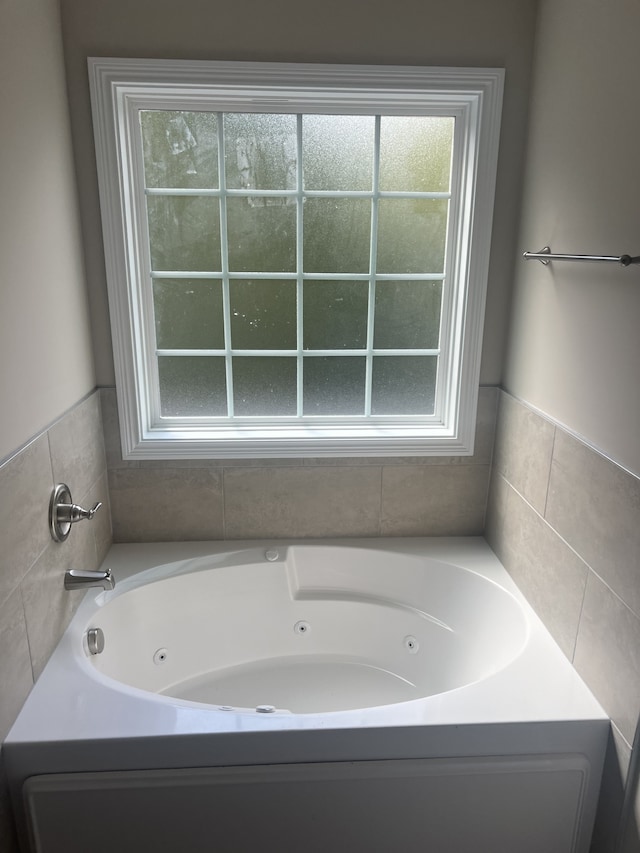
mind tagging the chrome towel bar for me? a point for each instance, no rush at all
(545, 255)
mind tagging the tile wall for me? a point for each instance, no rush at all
(34, 607)
(249, 499)
(565, 522)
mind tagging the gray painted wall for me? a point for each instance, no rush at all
(43, 298)
(574, 346)
(405, 32)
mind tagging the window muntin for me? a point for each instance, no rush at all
(404, 408)
(279, 357)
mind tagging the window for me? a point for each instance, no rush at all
(296, 255)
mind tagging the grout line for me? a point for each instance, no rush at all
(584, 595)
(50, 452)
(26, 631)
(487, 496)
(621, 736)
(553, 450)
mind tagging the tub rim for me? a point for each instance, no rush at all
(540, 686)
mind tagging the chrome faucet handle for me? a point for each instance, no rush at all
(63, 512)
(73, 512)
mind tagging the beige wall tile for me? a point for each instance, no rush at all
(523, 448)
(301, 502)
(48, 607)
(35, 610)
(547, 571)
(15, 665)
(167, 504)
(497, 528)
(77, 447)
(595, 505)
(434, 500)
(592, 508)
(218, 464)
(25, 489)
(100, 524)
(606, 654)
(365, 461)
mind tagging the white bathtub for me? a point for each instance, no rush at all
(404, 684)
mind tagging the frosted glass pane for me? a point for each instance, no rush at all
(407, 314)
(415, 153)
(264, 386)
(184, 233)
(335, 314)
(261, 238)
(180, 149)
(412, 235)
(337, 235)
(192, 386)
(188, 314)
(334, 386)
(403, 385)
(260, 152)
(337, 152)
(263, 314)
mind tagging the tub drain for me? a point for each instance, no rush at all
(302, 627)
(160, 656)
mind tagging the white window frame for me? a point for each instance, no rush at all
(120, 88)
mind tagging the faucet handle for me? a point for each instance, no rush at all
(77, 513)
(63, 512)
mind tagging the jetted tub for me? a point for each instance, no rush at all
(379, 695)
(308, 629)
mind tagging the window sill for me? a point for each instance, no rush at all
(165, 444)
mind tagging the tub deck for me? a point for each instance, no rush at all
(531, 727)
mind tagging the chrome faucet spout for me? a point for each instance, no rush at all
(79, 579)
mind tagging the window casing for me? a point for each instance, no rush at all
(126, 94)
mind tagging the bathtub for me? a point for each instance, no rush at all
(358, 695)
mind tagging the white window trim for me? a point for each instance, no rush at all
(120, 87)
